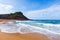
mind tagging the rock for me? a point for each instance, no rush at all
(15, 16)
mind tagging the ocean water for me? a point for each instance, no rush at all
(47, 27)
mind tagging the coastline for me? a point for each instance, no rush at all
(6, 20)
(30, 36)
(18, 36)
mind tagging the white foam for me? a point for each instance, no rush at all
(10, 27)
(38, 29)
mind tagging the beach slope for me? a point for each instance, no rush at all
(17, 36)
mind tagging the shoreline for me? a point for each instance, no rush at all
(6, 20)
(17, 36)
(29, 36)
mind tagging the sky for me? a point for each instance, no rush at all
(33, 9)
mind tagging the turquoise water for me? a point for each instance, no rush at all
(52, 25)
(39, 26)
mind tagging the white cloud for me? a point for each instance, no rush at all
(5, 8)
(8, 7)
(52, 12)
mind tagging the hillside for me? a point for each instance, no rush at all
(15, 16)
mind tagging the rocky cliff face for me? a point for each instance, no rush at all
(16, 16)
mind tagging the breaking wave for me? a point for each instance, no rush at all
(20, 27)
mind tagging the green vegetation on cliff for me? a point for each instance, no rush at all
(16, 16)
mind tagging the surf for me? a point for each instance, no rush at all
(18, 27)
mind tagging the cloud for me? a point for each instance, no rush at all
(4, 8)
(52, 12)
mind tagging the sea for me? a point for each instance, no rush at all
(47, 27)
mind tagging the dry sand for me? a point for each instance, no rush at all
(17, 36)
(31, 36)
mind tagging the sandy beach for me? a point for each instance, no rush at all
(5, 20)
(17, 36)
(30, 36)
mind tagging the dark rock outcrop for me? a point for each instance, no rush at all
(15, 16)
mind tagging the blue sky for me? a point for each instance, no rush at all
(33, 9)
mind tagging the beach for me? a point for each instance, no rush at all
(6, 20)
(18, 36)
(28, 36)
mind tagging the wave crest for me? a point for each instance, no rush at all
(15, 27)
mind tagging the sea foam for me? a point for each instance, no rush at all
(18, 27)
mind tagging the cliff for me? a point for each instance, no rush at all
(15, 16)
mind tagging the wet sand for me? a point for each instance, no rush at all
(5, 20)
(17, 36)
(31, 36)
